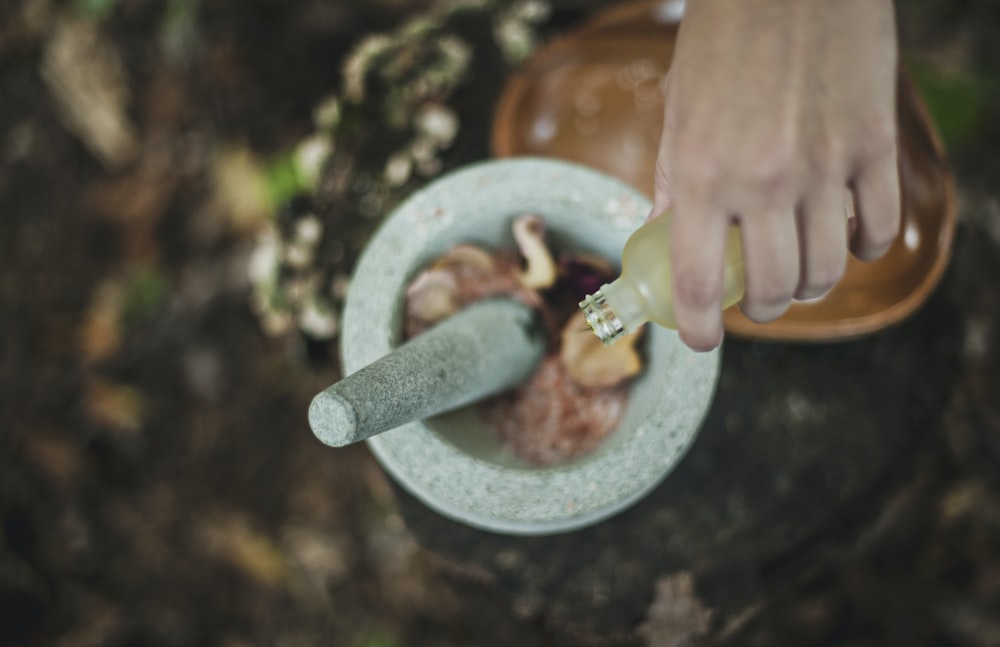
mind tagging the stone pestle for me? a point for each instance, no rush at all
(480, 351)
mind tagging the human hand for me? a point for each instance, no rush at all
(773, 109)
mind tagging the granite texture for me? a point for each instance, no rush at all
(452, 463)
(457, 362)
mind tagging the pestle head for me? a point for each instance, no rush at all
(333, 420)
(483, 349)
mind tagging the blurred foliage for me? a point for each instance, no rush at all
(96, 9)
(285, 180)
(179, 31)
(377, 638)
(145, 293)
(958, 101)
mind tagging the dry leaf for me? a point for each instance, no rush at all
(677, 617)
(57, 456)
(232, 539)
(117, 406)
(84, 72)
(590, 363)
(241, 188)
(101, 330)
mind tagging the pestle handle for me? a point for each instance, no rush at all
(480, 351)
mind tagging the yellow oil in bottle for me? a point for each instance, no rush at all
(644, 291)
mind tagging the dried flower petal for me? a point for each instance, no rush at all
(470, 256)
(590, 363)
(540, 270)
(432, 296)
(584, 274)
(554, 416)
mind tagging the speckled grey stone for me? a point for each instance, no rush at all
(452, 463)
(478, 352)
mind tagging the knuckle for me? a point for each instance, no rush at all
(773, 177)
(697, 290)
(825, 159)
(696, 163)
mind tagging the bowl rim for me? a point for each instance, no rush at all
(488, 495)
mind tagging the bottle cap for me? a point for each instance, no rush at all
(602, 318)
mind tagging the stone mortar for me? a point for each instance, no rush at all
(451, 462)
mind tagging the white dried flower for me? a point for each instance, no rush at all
(311, 155)
(301, 288)
(357, 64)
(262, 268)
(533, 11)
(422, 150)
(326, 114)
(318, 320)
(308, 230)
(398, 169)
(298, 255)
(514, 29)
(455, 54)
(438, 123)
(276, 322)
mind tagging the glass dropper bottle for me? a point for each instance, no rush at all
(644, 291)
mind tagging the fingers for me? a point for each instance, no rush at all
(823, 228)
(770, 261)
(661, 173)
(697, 247)
(876, 197)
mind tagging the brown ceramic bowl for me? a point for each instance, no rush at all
(593, 97)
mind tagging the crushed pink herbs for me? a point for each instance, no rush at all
(579, 392)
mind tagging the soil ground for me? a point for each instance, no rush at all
(158, 481)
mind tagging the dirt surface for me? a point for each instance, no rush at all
(159, 484)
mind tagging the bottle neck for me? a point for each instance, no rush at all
(614, 311)
(601, 317)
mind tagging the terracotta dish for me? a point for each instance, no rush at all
(593, 96)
